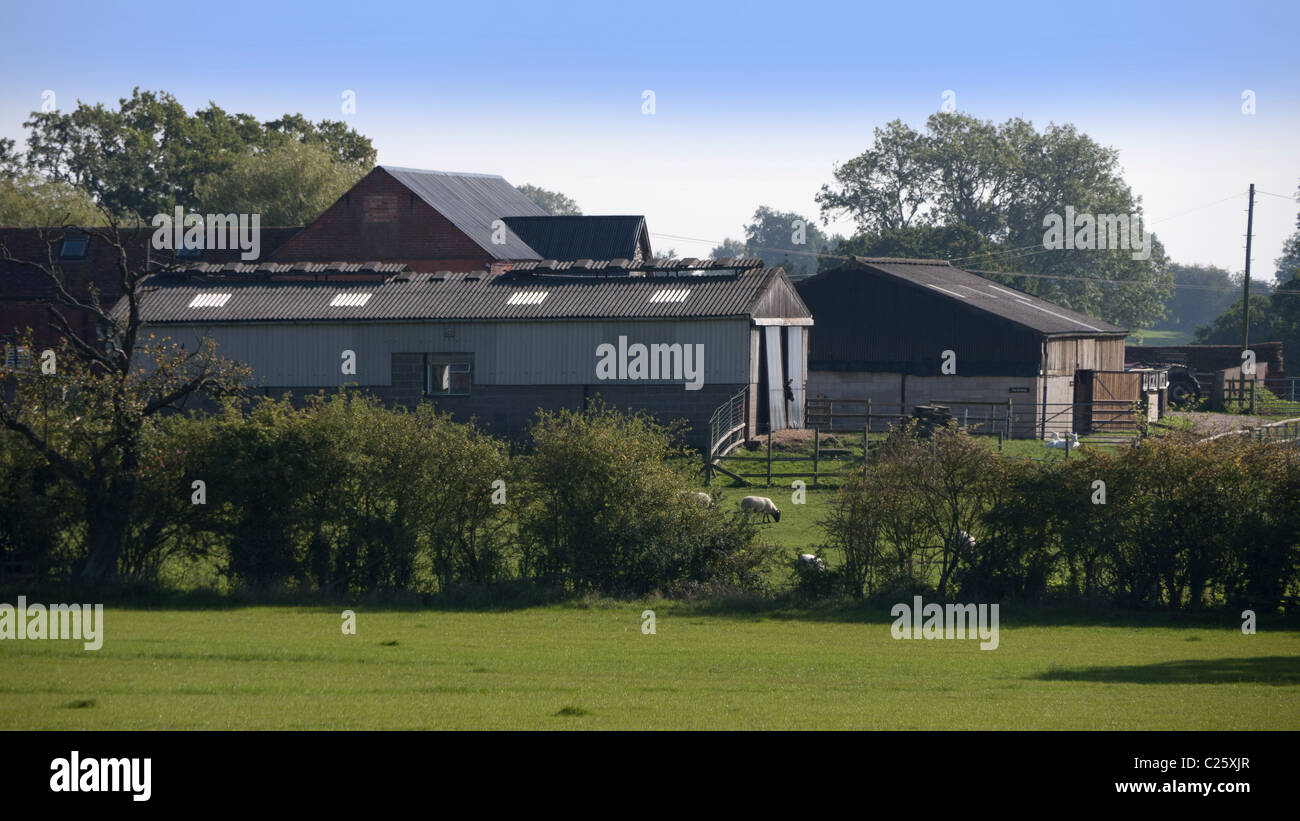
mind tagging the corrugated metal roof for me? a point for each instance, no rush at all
(471, 202)
(459, 296)
(572, 238)
(971, 289)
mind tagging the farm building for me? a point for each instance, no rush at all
(675, 338)
(907, 332)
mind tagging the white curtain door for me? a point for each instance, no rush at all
(775, 383)
(794, 371)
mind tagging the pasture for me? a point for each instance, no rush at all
(587, 665)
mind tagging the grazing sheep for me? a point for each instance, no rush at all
(761, 505)
(810, 561)
(704, 499)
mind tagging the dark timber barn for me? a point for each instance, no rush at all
(886, 327)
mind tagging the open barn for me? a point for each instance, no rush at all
(908, 332)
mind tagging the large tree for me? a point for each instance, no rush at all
(552, 202)
(87, 404)
(149, 154)
(1004, 182)
(781, 239)
(289, 184)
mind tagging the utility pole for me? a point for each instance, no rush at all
(1245, 282)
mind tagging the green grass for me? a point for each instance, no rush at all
(586, 667)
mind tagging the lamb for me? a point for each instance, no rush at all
(808, 560)
(704, 499)
(761, 505)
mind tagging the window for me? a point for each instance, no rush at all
(444, 377)
(17, 356)
(74, 248)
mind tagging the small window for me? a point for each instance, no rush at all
(17, 356)
(446, 378)
(74, 248)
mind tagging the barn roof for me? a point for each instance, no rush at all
(953, 284)
(471, 202)
(250, 297)
(570, 238)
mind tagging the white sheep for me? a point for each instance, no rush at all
(704, 499)
(760, 505)
(810, 561)
(1061, 444)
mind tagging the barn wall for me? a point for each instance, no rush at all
(895, 393)
(1065, 356)
(873, 322)
(308, 355)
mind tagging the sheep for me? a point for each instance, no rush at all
(699, 496)
(1061, 444)
(761, 505)
(808, 560)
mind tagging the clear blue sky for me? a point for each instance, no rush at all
(755, 102)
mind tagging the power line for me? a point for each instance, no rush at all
(999, 256)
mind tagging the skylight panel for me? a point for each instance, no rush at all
(209, 300)
(526, 298)
(670, 295)
(353, 300)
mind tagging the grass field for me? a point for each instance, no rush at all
(588, 666)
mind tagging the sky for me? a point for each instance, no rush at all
(754, 103)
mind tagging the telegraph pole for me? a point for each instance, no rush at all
(1245, 282)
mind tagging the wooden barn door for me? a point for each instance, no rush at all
(1083, 401)
(1114, 392)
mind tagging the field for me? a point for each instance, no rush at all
(588, 665)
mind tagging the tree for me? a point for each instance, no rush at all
(1201, 293)
(729, 248)
(150, 154)
(1004, 182)
(552, 202)
(32, 201)
(781, 239)
(916, 242)
(87, 405)
(288, 184)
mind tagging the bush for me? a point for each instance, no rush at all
(604, 510)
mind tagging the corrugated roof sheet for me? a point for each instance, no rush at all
(971, 289)
(572, 238)
(472, 202)
(457, 296)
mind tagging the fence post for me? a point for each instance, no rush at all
(1252, 397)
(1009, 406)
(868, 416)
(817, 453)
(769, 455)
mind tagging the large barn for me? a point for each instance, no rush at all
(908, 332)
(675, 338)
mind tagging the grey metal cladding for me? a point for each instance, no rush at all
(455, 296)
(472, 202)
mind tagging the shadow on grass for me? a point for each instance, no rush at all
(1275, 670)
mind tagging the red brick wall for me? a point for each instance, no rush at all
(380, 219)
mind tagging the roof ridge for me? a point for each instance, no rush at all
(903, 261)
